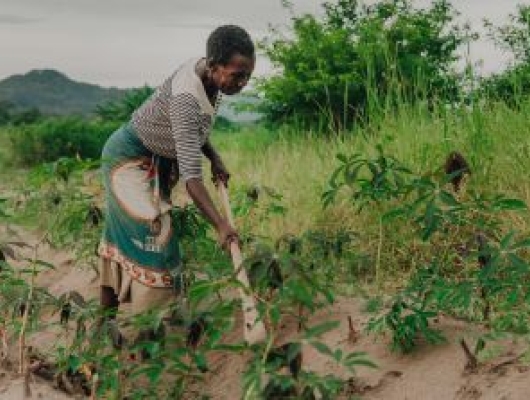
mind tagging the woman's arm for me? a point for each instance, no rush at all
(209, 151)
(204, 203)
(219, 171)
(184, 114)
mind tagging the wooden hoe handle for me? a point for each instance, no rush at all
(254, 330)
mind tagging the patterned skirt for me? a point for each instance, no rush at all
(139, 234)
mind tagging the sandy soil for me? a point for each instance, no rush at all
(430, 372)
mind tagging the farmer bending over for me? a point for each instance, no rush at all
(142, 161)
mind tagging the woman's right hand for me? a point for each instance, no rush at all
(226, 235)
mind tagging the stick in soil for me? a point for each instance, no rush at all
(300, 317)
(353, 335)
(22, 337)
(472, 362)
(4, 353)
(484, 259)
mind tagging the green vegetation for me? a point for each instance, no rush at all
(418, 203)
(50, 139)
(360, 60)
(514, 37)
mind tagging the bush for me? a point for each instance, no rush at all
(10, 115)
(510, 86)
(360, 59)
(121, 110)
(54, 138)
(514, 83)
(223, 124)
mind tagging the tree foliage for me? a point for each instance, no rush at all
(121, 110)
(514, 38)
(53, 138)
(10, 115)
(359, 58)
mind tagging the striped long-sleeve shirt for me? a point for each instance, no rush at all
(175, 121)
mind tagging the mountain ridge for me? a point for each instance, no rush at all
(54, 93)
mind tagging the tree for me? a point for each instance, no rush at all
(121, 111)
(25, 117)
(5, 111)
(358, 58)
(514, 37)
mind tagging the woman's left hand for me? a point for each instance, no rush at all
(219, 171)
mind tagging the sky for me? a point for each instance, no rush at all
(129, 43)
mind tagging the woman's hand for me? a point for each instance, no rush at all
(226, 235)
(219, 171)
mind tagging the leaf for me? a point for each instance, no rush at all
(509, 205)
(357, 358)
(203, 289)
(392, 214)
(333, 179)
(448, 199)
(518, 263)
(328, 197)
(505, 241)
(293, 351)
(152, 371)
(342, 158)
(522, 244)
(323, 349)
(301, 293)
(319, 330)
(200, 361)
(338, 355)
(74, 363)
(350, 174)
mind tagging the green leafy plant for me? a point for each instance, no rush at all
(359, 60)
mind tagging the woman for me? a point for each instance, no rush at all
(142, 162)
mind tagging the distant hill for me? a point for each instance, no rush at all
(54, 93)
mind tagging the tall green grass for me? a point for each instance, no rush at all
(493, 137)
(298, 164)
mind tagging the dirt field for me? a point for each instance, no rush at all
(430, 372)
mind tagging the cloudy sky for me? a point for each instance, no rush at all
(129, 43)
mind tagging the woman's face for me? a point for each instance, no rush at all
(233, 77)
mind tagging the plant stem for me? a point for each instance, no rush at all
(22, 337)
(378, 259)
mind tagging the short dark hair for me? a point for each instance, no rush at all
(226, 41)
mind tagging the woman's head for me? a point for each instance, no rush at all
(230, 56)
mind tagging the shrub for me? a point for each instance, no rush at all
(514, 38)
(121, 110)
(54, 138)
(359, 59)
